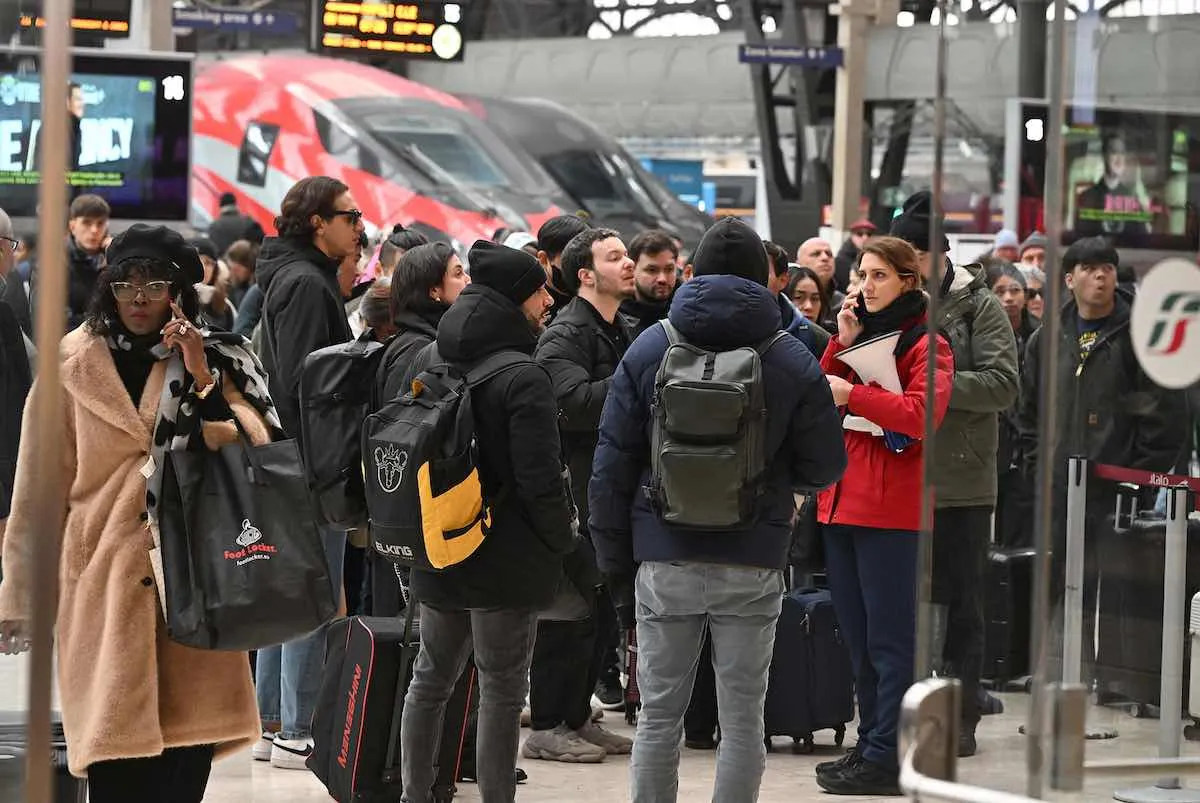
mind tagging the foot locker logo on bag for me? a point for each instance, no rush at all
(251, 549)
(390, 463)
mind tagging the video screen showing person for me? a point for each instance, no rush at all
(127, 136)
(1132, 176)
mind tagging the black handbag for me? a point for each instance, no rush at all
(242, 558)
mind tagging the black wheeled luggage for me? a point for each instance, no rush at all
(811, 685)
(67, 789)
(356, 726)
(1006, 605)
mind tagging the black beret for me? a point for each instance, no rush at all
(160, 244)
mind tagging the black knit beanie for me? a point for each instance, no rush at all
(912, 224)
(514, 274)
(732, 248)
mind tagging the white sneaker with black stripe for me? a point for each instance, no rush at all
(290, 754)
(263, 747)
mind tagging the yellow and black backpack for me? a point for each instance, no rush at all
(425, 500)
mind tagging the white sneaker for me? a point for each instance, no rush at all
(290, 754)
(262, 748)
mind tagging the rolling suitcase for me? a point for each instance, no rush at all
(1009, 584)
(811, 684)
(67, 789)
(356, 725)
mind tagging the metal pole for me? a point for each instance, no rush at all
(1072, 656)
(923, 659)
(1048, 391)
(46, 434)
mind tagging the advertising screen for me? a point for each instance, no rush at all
(127, 135)
(1130, 175)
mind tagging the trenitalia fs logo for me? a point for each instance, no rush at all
(1170, 332)
(1165, 323)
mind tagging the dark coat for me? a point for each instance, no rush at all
(641, 315)
(13, 293)
(16, 377)
(231, 226)
(520, 562)
(844, 263)
(417, 330)
(803, 443)
(1008, 452)
(580, 352)
(1109, 411)
(83, 271)
(302, 312)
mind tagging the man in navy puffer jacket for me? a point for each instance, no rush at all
(683, 578)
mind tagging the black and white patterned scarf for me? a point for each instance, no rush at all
(177, 426)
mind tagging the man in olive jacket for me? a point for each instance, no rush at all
(986, 383)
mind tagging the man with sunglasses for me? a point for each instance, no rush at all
(319, 225)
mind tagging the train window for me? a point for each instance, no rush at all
(255, 154)
(342, 145)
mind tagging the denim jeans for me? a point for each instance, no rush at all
(873, 580)
(676, 602)
(503, 645)
(288, 676)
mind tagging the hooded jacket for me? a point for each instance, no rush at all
(803, 444)
(641, 315)
(417, 329)
(986, 383)
(302, 311)
(1109, 411)
(516, 427)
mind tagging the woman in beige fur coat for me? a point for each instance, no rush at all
(144, 716)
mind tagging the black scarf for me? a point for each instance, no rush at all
(894, 317)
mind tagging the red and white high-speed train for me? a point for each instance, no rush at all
(409, 154)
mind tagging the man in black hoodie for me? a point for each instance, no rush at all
(1108, 411)
(654, 254)
(319, 225)
(231, 225)
(552, 240)
(489, 602)
(730, 580)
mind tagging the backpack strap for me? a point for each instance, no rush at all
(493, 365)
(765, 346)
(673, 336)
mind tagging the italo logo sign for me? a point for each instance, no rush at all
(1166, 323)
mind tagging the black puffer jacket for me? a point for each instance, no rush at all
(16, 377)
(418, 328)
(83, 271)
(302, 312)
(1109, 411)
(580, 351)
(516, 425)
(641, 315)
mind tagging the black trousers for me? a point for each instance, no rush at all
(179, 775)
(700, 721)
(960, 545)
(608, 640)
(562, 675)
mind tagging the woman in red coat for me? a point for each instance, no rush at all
(871, 517)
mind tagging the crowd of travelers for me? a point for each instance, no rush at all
(679, 515)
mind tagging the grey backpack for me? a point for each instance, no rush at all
(708, 442)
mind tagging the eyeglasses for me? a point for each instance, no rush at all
(153, 291)
(10, 243)
(355, 215)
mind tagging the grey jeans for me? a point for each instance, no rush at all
(740, 606)
(503, 644)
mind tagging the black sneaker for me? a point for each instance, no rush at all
(852, 755)
(966, 742)
(611, 695)
(861, 777)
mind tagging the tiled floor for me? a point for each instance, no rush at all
(789, 778)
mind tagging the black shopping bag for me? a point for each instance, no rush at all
(243, 563)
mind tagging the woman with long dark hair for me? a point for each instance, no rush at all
(143, 715)
(871, 516)
(811, 297)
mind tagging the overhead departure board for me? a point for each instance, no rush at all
(426, 30)
(101, 17)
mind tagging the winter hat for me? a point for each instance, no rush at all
(160, 244)
(912, 224)
(864, 224)
(1006, 238)
(731, 248)
(1035, 240)
(1090, 251)
(511, 272)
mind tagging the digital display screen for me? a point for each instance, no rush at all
(412, 30)
(1130, 175)
(127, 134)
(103, 17)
